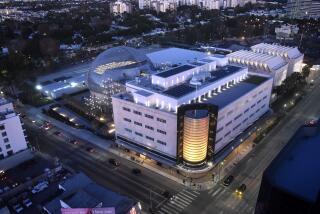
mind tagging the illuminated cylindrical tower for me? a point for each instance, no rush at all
(195, 136)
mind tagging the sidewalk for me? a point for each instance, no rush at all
(203, 183)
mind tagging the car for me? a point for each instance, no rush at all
(228, 180)
(90, 149)
(114, 162)
(240, 190)
(27, 202)
(18, 208)
(15, 184)
(39, 187)
(57, 133)
(136, 171)
(74, 142)
(166, 194)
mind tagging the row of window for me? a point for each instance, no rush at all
(146, 115)
(147, 137)
(146, 126)
(237, 126)
(8, 146)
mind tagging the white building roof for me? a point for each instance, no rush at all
(175, 56)
(277, 50)
(261, 60)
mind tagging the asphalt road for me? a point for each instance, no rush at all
(119, 179)
(224, 200)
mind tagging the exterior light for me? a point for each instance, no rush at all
(39, 87)
(73, 84)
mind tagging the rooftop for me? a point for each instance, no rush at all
(81, 192)
(275, 49)
(175, 56)
(234, 92)
(296, 169)
(185, 88)
(174, 71)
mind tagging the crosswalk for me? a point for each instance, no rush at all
(216, 191)
(179, 202)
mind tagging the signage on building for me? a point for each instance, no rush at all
(106, 210)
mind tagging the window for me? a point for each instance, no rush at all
(257, 110)
(161, 120)
(4, 134)
(126, 109)
(162, 132)
(139, 134)
(251, 115)
(128, 130)
(260, 91)
(254, 96)
(6, 140)
(229, 123)
(126, 119)
(219, 130)
(246, 110)
(137, 112)
(221, 118)
(259, 101)
(8, 146)
(0, 149)
(137, 123)
(264, 105)
(1, 156)
(265, 97)
(10, 152)
(245, 120)
(148, 116)
(150, 138)
(237, 126)
(253, 105)
(149, 127)
(227, 134)
(237, 117)
(161, 142)
(217, 141)
(1, 127)
(230, 112)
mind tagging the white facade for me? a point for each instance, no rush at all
(120, 7)
(291, 55)
(146, 115)
(261, 63)
(12, 137)
(286, 32)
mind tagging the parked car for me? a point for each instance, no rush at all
(27, 202)
(75, 142)
(228, 180)
(39, 187)
(114, 162)
(136, 171)
(18, 208)
(240, 190)
(58, 133)
(90, 149)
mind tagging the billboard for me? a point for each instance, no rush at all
(107, 210)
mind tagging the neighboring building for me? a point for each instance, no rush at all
(120, 7)
(300, 9)
(80, 193)
(13, 137)
(291, 183)
(291, 55)
(261, 63)
(187, 114)
(164, 5)
(286, 32)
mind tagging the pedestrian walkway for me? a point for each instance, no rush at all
(178, 203)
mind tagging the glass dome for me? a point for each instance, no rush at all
(116, 64)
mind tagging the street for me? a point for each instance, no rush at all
(223, 200)
(143, 187)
